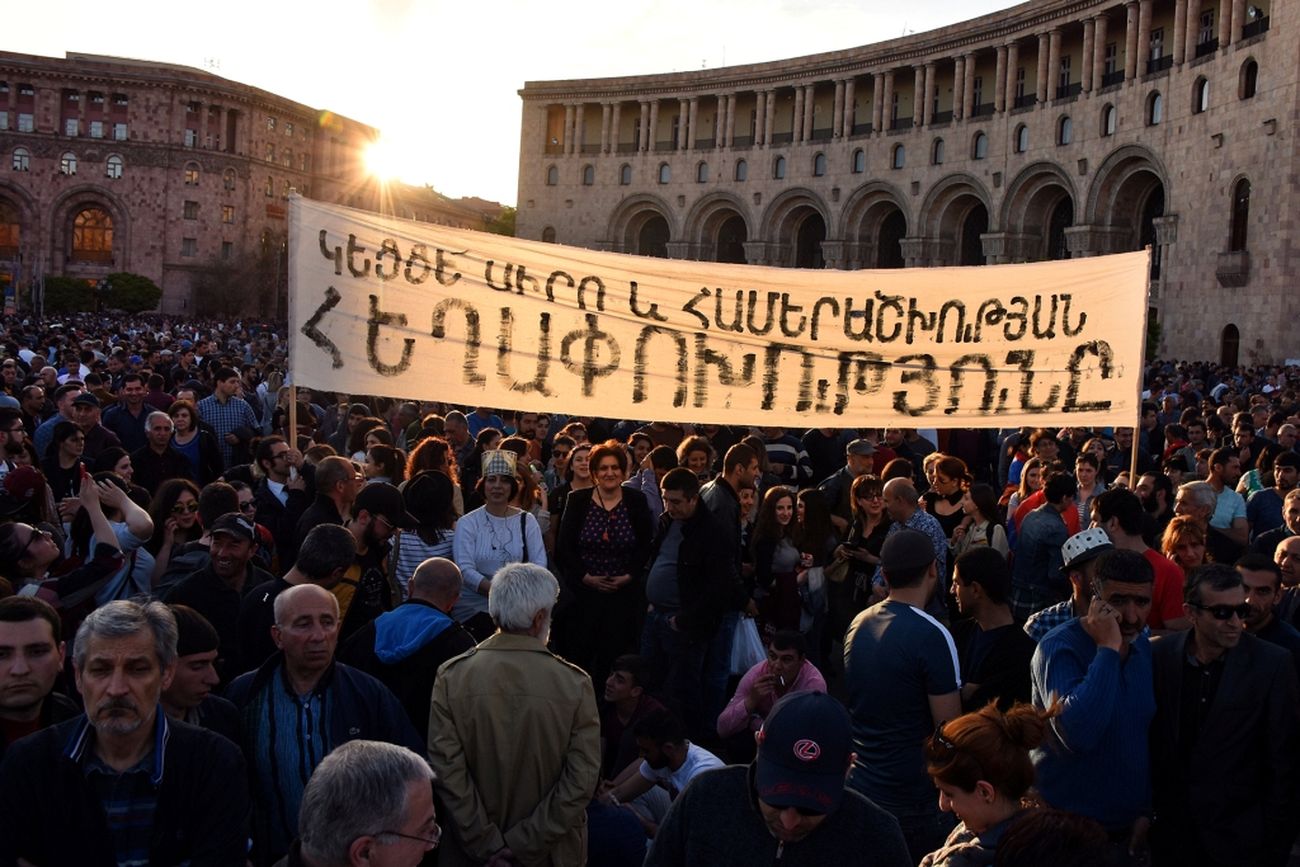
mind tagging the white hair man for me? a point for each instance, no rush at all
(369, 804)
(518, 788)
(122, 782)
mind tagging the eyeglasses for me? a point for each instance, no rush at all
(1224, 612)
(428, 841)
(559, 453)
(183, 509)
(249, 506)
(278, 455)
(37, 533)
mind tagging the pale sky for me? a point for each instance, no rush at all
(440, 79)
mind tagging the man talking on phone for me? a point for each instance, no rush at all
(1096, 761)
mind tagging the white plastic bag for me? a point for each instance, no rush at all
(746, 648)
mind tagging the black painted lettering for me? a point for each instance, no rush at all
(555, 277)
(441, 265)
(705, 357)
(507, 269)
(311, 328)
(591, 366)
(689, 306)
(388, 248)
(377, 318)
(599, 285)
(815, 329)
(353, 249)
(957, 377)
(1017, 321)
(924, 375)
(772, 375)
(1106, 368)
(641, 364)
(861, 373)
(888, 304)
(419, 256)
(506, 348)
(961, 331)
(652, 312)
(473, 335)
(1042, 331)
(336, 255)
(786, 310)
(769, 318)
(915, 317)
(1066, 328)
(863, 330)
(738, 311)
(1024, 359)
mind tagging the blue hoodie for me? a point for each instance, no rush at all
(407, 628)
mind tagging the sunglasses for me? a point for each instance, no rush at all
(1224, 612)
(940, 741)
(31, 540)
(559, 453)
(250, 506)
(182, 509)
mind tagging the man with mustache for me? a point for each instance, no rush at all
(121, 783)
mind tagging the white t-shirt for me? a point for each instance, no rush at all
(697, 761)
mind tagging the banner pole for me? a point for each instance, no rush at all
(1142, 360)
(293, 416)
(291, 290)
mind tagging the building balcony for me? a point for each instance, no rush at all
(941, 117)
(1255, 28)
(705, 144)
(1026, 101)
(984, 109)
(1112, 78)
(1066, 91)
(743, 141)
(822, 134)
(780, 138)
(665, 146)
(861, 129)
(1233, 270)
(1159, 64)
(901, 123)
(554, 148)
(590, 149)
(626, 147)
(1206, 48)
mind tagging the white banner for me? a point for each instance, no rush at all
(382, 306)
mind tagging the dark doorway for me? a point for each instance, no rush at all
(652, 240)
(1154, 207)
(975, 224)
(889, 246)
(732, 236)
(1062, 218)
(1231, 346)
(808, 242)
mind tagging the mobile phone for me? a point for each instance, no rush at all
(84, 473)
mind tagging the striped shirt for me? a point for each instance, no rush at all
(130, 797)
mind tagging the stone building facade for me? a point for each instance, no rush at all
(110, 164)
(1053, 129)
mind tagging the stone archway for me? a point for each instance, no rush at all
(788, 223)
(717, 227)
(953, 217)
(1036, 211)
(64, 226)
(641, 218)
(809, 236)
(652, 236)
(873, 225)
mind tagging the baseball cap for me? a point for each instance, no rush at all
(85, 398)
(23, 483)
(803, 753)
(1084, 546)
(383, 499)
(905, 551)
(236, 525)
(499, 462)
(861, 448)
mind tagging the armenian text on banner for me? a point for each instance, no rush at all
(391, 307)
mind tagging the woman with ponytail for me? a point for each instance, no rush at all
(980, 764)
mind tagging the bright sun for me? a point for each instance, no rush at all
(382, 160)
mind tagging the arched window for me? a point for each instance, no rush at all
(859, 161)
(68, 163)
(1064, 131)
(819, 165)
(778, 168)
(113, 167)
(625, 175)
(1240, 215)
(191, 174)
(702, 173)
(898, 157)
(1200, 95)
(92, 236)
(1109, 119)
(588, 175)
(228, 179)
(980, 148)
(742, 170)
(552, 176)
(665, 173)
(1022, 139)
(548, 235)
(1249, 79)
(22, 160)
(936, 152)
(1155, 108)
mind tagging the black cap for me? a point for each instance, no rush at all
(803, 753)
(85, 398)
(235, 525)
(383, 499)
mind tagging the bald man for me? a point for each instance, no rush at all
(298, 706)
(902, 506)
(404, 647)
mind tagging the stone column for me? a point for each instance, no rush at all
(1085, 58)
(968, 92)
(1193, 30)
(1225, 22)
(918, 96)
(1000, 81)
(692, 126)
(605, 110)
(1144, 36)
(654, 124)
(1178, 37)
(219, 142)
(760, 117)
(1238, 19)
(809, 103)
(1044, 49)
(837, 111)
(1099, 51)
(683, 123)
(568, 129)
(931, 84)
(887, 100)
(771, 118)
(1013, 65)
(1053, 62)
(850, 106)
(644, 128)
(796, 123)
(616, 111)
(1130, 39)
(878, 103)
(719, 120)
(579, 129)
(730, 128)
(958, 87)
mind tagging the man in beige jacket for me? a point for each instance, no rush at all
(514, 737)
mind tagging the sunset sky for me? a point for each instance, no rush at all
(440, 79)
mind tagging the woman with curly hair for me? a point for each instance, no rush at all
(697, 455)
(1184, 543)
(198, 446)
(777, 560)
(980, 764)
(434, 453)
(175, 515)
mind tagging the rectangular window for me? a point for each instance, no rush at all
(26, 122)
(96, 98)
(189, 247)
(1020, 82)
(270, 124)
(1157, 43)
(26, 90)
(4, 88)
(191, 210)
(191, 138)
(96, 129)
(978, 87)
(288, 130)
(270, 153)
(120, 100)
(1063, 79)
(191, 108)
(227, 249)
(4, 120)
(119, 132)
(227, 213)
(1207, 27)
(71, 127)
(1112, 58)
(270, 186)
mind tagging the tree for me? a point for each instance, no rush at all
(504, 224)
(68, 295)
(133, 293)
(225, 289)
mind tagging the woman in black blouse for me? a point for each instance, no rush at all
(604, 539)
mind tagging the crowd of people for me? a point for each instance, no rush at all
(411, 632)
